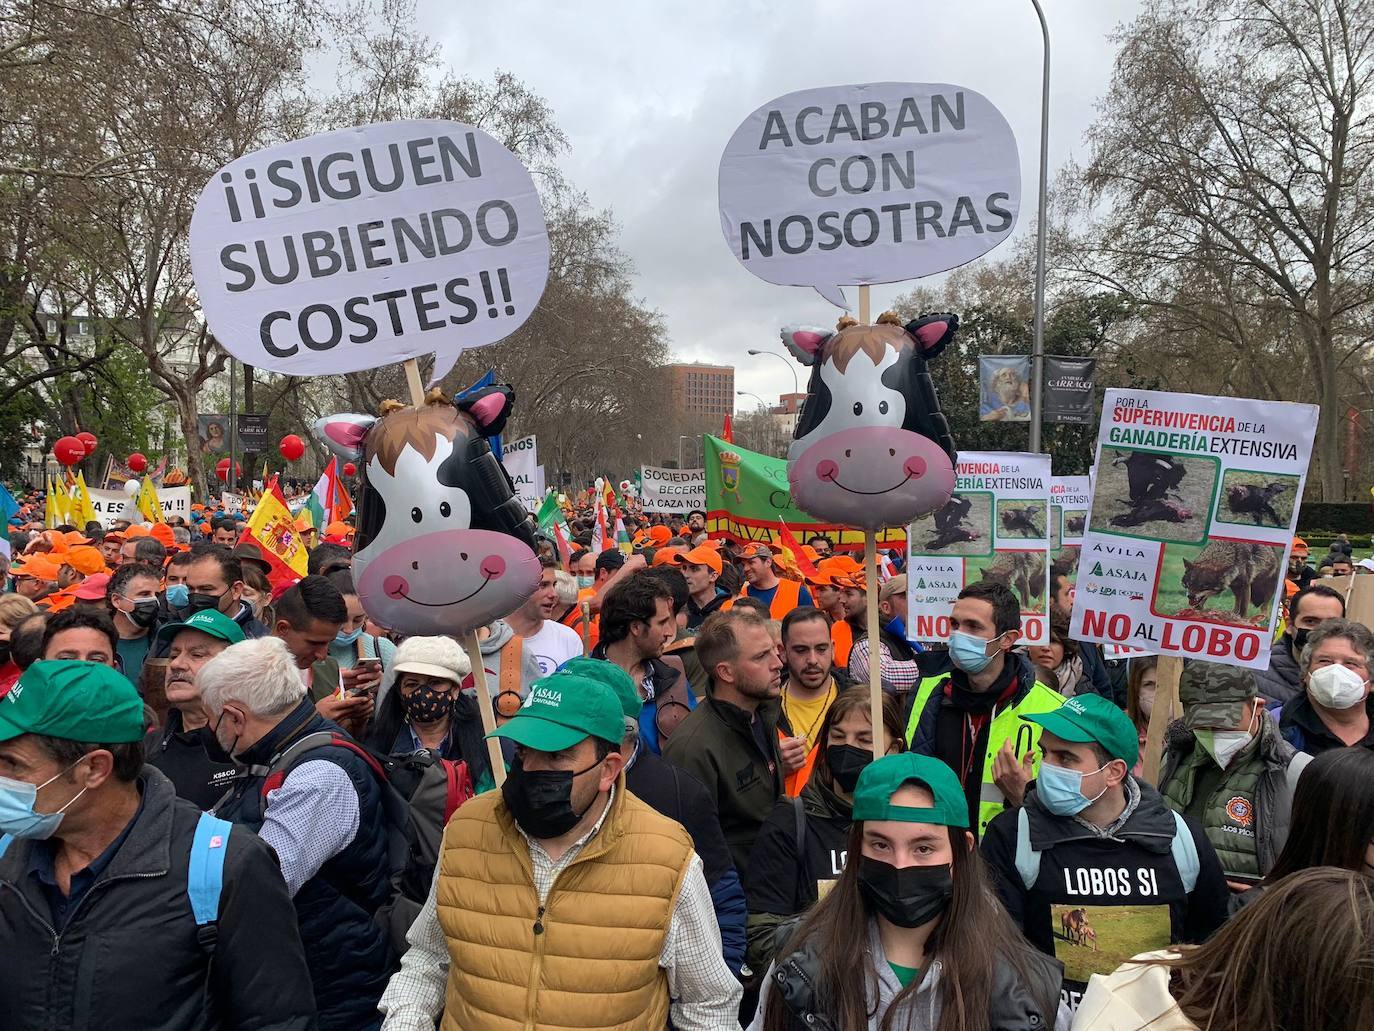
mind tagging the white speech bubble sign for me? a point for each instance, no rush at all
(873, 183)
(365, 246)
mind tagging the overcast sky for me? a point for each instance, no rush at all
(649, 93)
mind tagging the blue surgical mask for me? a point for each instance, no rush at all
(969, 653)
(583, 582)
(178, 596)
(348, 638)
(1061, 790)
(17, 813)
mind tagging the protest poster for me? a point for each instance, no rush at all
(113, 505)
(1069, 389)
(1004, 388)
(363, 246)
(671, 490)
(1070, 499)
(869, 183)
(252, 433)
(520, 457)
(1195, 500)
(748, 499)
(212, 434)
(232, 502)
(994, 527)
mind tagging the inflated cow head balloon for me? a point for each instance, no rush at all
(443, 544)
(871, 448)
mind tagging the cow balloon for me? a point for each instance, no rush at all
(443, 544)
(871, 448)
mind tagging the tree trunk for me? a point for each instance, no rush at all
(195, 466)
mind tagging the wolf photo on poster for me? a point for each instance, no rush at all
(995, 527)
(1194, 506)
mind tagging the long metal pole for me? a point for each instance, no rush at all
(232, 479)
(1038, 346)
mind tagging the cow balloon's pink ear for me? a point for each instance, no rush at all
(933, 332)
(343, 434)
(805, 342)
(489, 408)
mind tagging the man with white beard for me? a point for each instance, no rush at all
(185, 749)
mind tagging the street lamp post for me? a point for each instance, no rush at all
(1038, 346)
(680, 439)
(750, 393)
(791, 366)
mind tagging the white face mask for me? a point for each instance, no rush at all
(1336, 687)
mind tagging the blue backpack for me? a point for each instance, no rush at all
(204, 878)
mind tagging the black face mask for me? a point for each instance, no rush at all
(908, 896)
(144, 614)
(199, 602)
(846, 762)
(1300, 639)
(427, 704)
(541, 800)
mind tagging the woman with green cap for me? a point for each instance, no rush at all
(911, 937)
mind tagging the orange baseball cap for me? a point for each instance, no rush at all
(38, 566)
(85, 559)
(660, 535)
(137, 530)
(839, 565)
(162, 533)
(758, 549)
(667, 557)
(703, 556)
(73, 537)
(338, 528)
(1300, 547)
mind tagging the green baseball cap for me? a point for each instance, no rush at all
(609, 674)
(1214, 695)
(75, 701)
(880, 779)
(207, 621)
(1091, 718)
(563, 709)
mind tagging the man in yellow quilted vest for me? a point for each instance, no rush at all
(563, 901)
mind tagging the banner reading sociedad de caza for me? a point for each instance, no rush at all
(994, 527)
(748, 499)
(1194, 503)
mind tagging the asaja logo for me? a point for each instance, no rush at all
(542, 696)
(1240, 811)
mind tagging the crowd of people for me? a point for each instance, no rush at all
(233, 801)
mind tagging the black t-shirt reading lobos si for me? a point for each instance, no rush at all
(1098, 900)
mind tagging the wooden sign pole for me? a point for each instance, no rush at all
(470, 642)
(1166, 708)
(875, 663)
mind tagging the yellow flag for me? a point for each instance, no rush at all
(274, 531)
(83, 511)
(148, 502)
(51, 516)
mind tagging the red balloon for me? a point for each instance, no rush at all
(222, 470)
(137, 462)
(350, 469)
(292, 447)
(69, 450)
(87, 438)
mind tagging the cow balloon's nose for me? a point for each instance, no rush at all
(827, 470)
(915, 467)
(395, 587)
(493, 566)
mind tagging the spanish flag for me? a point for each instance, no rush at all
(273, 529)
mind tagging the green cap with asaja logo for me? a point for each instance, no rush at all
(207, 621)
(74, 701)
(1088, 718)
(562, 710)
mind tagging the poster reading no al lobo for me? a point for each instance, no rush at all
(995, 527)
(1194, 504)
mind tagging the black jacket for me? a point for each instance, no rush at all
(1302, 728)
(128, 955)
(679, 796)
(788, 861)
(1126, 885)
(717, 745)
(192, 760)
(346, 949)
